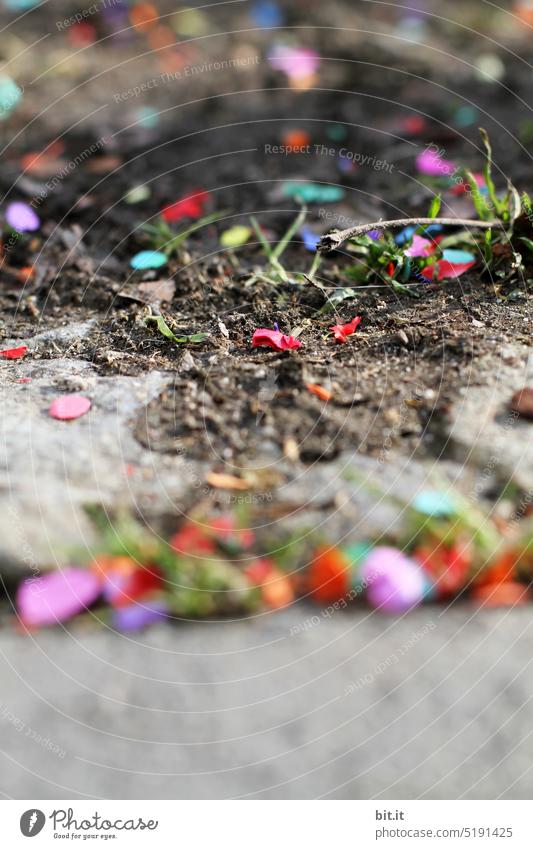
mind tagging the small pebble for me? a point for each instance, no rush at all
(522, 403)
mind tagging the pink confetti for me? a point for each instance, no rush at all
(395, 583)
(420, 247)
(68, 407)
(274, 339)
(429, 162)
(298, 63)
(56, 596)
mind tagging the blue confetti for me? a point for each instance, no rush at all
(309, 238)
(148, 259)
(457, 257)
(266, 13)
(408, 232)
(434, 503)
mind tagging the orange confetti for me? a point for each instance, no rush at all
(296, 139)
(143, 16)
(503, 594)
(319, 391)
(329, 575)
(161, 37)
(25, 274)
(277, 590)
(223, 481)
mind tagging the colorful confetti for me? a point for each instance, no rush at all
(56, 596)
(145, 260)
(68, 407)
(274, 339)
(22, 218)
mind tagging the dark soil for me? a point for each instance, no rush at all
(403, 366)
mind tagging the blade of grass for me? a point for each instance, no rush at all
(294, 227)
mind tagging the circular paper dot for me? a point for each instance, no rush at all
(148, 259)
(22, 217)
(69, 407)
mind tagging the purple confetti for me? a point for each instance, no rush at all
(56, 596)
(22, 217)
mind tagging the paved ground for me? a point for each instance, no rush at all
(436, 704)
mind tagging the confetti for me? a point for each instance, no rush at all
(434, 503)
(277, 590)
(137, 194)
(124, 581)
(446, 270)
(420, 247)
(148, 259)
(298, 63)
(503, 594)
(309, 238)
(56, 596)
(224, 481)
(296, 140)
(342, 331)
(313, 192)
(189, 206)
(135, 617)
(274, 339)
(68, 407)
(446, 566)
(267, 14)
(395, 583)
(329, 575)
(22, 217)
(235, 237)
(192, 539)
(433, 165)
(10, 95)
(14, 353)
(319, 391)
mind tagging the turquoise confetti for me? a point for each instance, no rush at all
(336, 132)
(457, 257)
(148, 259)
(357, 553)
(434, 503)
(313, 192)
(10, 95)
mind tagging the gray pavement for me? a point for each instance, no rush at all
(436, 705)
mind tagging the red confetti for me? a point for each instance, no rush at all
(14, 353)
(68, 407)
(447, 567)
(190, 206)
(192, 539)
(447, 270)
(274, 339)
(329, 575)
(342, 331)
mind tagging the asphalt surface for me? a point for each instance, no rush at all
(436, 704)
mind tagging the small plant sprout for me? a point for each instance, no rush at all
(163, 238)
(165, 331)
(276, 272)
